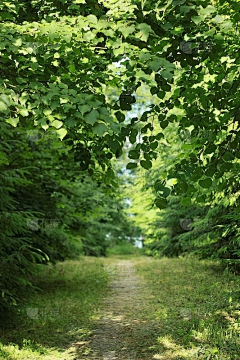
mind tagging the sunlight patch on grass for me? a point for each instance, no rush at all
(65, 312)
(197, 306)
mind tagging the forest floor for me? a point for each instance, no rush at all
(129, 308)
(167, 309)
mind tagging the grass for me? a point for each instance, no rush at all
(192, 311)
(197, 307)
(61, 315)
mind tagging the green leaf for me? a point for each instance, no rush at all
(113, 144)
(217, 19)
(182, 185)
(166, 87)
(131, 166)
(166, 192)
(144, 116)
(126, 30)
(17, 42)
(154, 145)
(110, 173)
(5, 98)
(164, 124)
(47, 112)
(125, 106)
(144, 31)
(134, 132)
(208, 10)
(115, 127)
(205, 183)
(108, 32)
(118, 153)
(161, 63)
(158, 185)
(24, 112)
(146, 164)
(67, 37)
(161, 203)
(57, 124)
(72, 68)
(13, 121)
(153, 90)
(92, 117)
(71, 122)
(100, 129)
(186, 201)
(167, 75)
(161, 94)
(84, 108)
(92, 19)
(133, 154)
(88, 36)
(3, 106)
(198, 19)
(62, 132)
(120, 116)
(226, 26)
(143, 56)
(228, 166)
(219, 37)
(159, 136)
(185, 9)
(154, 65)
(132, 139)
(54, 105)
(211, 171)
(200, 199)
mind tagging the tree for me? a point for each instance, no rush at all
(58, 75)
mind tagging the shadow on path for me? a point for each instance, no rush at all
(121, 332)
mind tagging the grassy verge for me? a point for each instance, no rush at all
(59, 320)
(192, 311)
(196, 307)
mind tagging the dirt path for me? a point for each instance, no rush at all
(120, 328)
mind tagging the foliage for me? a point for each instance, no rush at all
(59, 45)
(59, 78)
(184, 224)
(71, 293)
(122, 249)
(46, 213)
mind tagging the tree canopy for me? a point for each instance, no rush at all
(73, 76)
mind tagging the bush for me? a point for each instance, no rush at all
(123, 249)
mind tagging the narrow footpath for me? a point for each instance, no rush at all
(120, 327)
